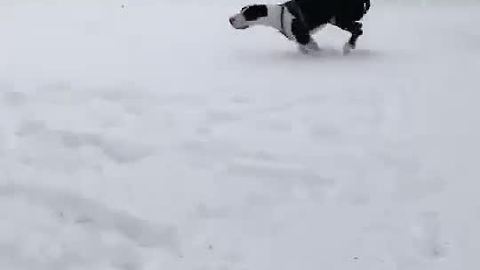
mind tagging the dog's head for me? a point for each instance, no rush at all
(248, 16)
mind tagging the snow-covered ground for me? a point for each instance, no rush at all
(154, 136)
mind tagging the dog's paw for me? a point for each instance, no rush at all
(347, 48)
(310, 48)
(303, 49)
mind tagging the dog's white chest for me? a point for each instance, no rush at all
(279, 18)
(287, 19)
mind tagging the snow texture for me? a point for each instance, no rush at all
(141, 135)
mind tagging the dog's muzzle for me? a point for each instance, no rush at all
(235, 24)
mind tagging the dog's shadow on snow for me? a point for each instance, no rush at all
(325, 54)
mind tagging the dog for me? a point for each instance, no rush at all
(299, 19)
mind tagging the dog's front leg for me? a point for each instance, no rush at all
(305, 42)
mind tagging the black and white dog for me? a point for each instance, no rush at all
(299, 19)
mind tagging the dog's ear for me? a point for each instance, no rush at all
(254, 12)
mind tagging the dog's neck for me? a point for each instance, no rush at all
(274, 18)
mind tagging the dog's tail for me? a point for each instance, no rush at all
(367, 5)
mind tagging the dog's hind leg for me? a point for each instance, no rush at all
(355, 28)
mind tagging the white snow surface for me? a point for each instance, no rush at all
(147, 135)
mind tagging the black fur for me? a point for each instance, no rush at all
(319, 12)
(300, 32)
(254, 12)
(313, 13)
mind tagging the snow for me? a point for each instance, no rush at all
(154, 136)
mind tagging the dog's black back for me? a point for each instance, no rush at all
(319, 12)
